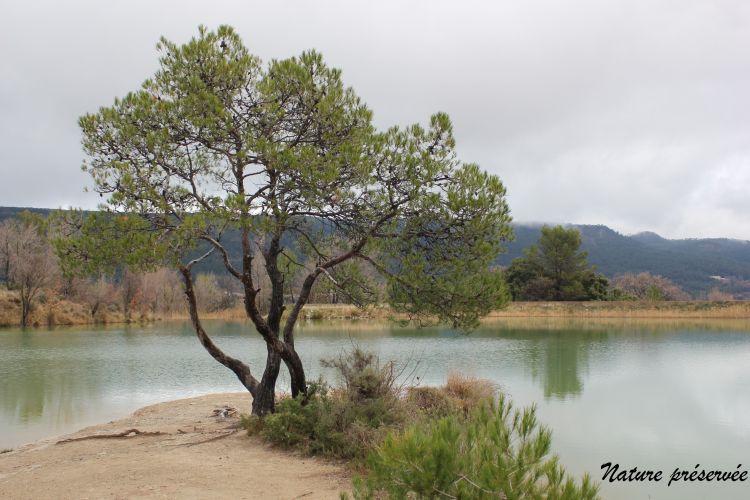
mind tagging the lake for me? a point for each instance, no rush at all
(652, 395)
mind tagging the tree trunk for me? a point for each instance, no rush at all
(240, 369)
(25, 311)
(264, 397)
(296, 374)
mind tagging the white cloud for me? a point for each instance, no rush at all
(627, 113)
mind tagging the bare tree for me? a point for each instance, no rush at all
(97, 294)
(208, 292)
(646, 286)
(130, 288)
(717, 295)
(29, 260)
(5, 251)
(162, 291)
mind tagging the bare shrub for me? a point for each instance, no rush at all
(162, 291)
(363, 375)
(469, 391)
(645, 286)
(716, 295)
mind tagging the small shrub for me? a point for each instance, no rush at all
(350, 421)
(497, 453)
(457, 441)
(433, 402)
(363, 375)
(252, 424)
(52, 318)
(470, 391)
(315, 315)
(343, 423)
(293, 424)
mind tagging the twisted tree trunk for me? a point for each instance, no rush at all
(264, 397)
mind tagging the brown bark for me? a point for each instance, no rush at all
(264, 399)
(240, 369)
(124, 434)
(25, 310)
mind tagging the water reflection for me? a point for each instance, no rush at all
(57, 374)
(557, 362)
(660, 394)
(39, 381)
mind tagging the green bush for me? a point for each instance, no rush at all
(342, 423)
(498, 452)
(454, 441)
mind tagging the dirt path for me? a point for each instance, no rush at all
(197, 455)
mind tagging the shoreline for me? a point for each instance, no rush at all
(178, 448)
(683, 310)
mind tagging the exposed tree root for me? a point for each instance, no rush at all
(215, 438)
(123, 434)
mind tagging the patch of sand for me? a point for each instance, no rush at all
(199, 455)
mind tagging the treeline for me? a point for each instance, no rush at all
(30, 272)
(713, 269)
(31, 276)
(553, 269)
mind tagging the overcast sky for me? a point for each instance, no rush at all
(632, 113)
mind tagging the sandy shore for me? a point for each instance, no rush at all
(190, 454)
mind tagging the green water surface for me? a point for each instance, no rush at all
(652, 395)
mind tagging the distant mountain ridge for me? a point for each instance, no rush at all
(697, 265)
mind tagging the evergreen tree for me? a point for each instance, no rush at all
(214, 141)
(554, 269)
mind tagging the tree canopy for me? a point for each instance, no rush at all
(554, 269)
(288, 156)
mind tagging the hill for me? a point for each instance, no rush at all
(697, 265)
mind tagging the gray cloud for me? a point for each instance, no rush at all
(633, 114)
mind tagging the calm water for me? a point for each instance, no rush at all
(652, 395)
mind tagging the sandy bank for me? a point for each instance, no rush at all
(192, 454)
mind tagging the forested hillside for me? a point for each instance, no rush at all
(697, 265)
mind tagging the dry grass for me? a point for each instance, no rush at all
(470, 391)
(45, 313)
(592, 309)
(460, 394)
(431, 400)
(56, 312)
(61, 312)
(628, 309)
(635, 325)
(311, 312)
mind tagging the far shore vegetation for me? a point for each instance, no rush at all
(55, 310)
(34, 290)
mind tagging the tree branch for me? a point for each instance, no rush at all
(224, 255)
(238, 367)
(193, 262)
